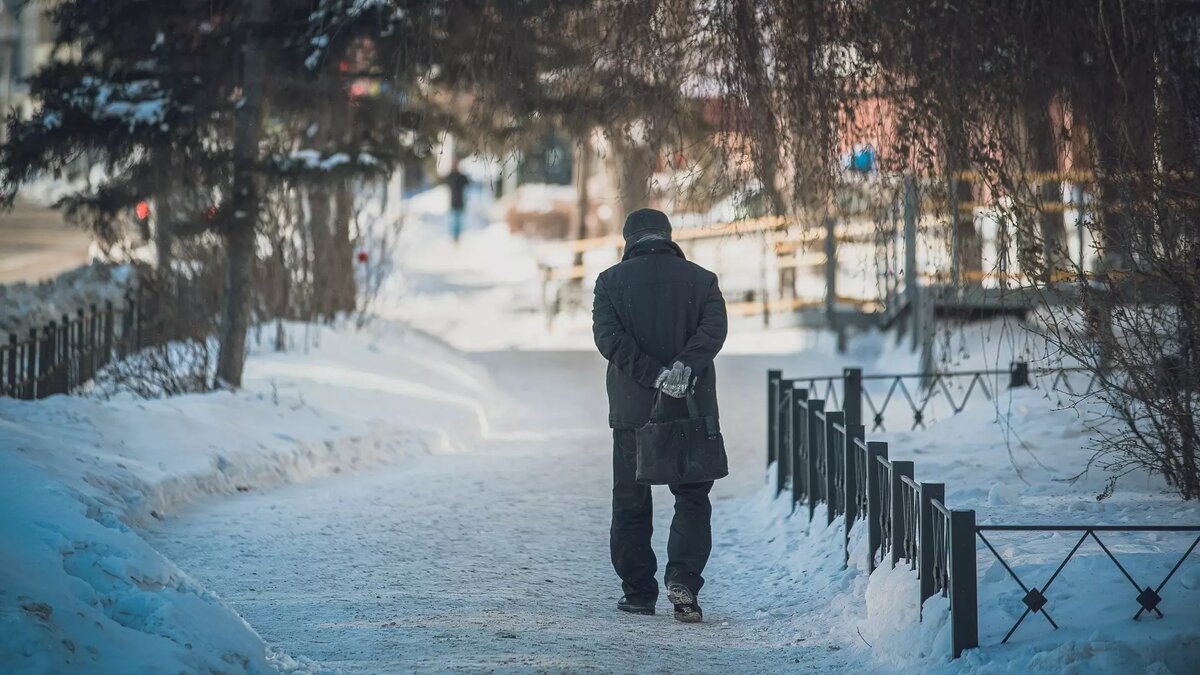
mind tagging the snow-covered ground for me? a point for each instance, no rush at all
(82, 591)
(465, 529)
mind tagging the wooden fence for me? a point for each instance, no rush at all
(62, 355)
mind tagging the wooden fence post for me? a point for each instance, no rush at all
(875, 451)
(47, 353)
(900, 469)
(10, 384)
(964, 609)
(124, 345)
(137, 320)
(108, 332)
(31, 366)
(925, 549)
(65, 348)
(93, 335)
(78, 350)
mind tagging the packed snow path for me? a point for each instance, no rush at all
(496, 559)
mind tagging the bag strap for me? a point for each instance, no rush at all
(656, 407)
(693, 409)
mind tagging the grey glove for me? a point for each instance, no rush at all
(674, 382)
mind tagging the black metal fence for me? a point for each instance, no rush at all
(821, 456)
(64, 354)
(922, 391)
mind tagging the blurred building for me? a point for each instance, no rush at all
(25, 42)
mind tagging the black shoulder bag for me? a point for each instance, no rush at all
(688, 450)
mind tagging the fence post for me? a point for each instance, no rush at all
(65, 350)
(964, 610)
(75, 360)
(137, 320)
(796, 420)
(899, 469)
(850, 482)
(912, 282)
(10, 386)
(47, 354)
(832, 418)
(925, 549)
(875, 449)
(108, 332)
(812, 427)
(772, 413)
(784, 437)
(31, 366)
(92, 339)
(852, 394)
(1018, 374)
(126, 327)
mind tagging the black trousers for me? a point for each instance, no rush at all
(688, 545)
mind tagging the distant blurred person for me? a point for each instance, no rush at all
(457, 182)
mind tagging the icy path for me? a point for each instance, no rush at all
(496, 559)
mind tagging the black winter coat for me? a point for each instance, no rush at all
(651, 309)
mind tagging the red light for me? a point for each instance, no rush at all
(362, 257)
(142, 210)
(210, 212)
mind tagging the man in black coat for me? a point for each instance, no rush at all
(659, 320)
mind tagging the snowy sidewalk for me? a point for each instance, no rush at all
(496, 558)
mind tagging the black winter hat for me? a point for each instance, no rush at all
(643, 221)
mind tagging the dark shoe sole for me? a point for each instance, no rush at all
(640, 610)
(686, 609)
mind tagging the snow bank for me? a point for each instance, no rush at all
(24, 306)
(1091, 601)
(80, 590)
(1019, 459)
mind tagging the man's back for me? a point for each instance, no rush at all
(654, 308)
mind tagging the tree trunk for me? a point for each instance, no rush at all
(344, 290)
(583, 171)
(244, 202)
(320, 227)
(764, 143)
(634, 164)
(965, 244)
(1047, 253)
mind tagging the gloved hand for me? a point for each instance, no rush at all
(674, 382)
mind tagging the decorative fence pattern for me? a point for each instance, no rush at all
(62, 355)
(920, 390)
(821, 456)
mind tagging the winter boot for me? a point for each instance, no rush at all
(636, 606)
(687, 609)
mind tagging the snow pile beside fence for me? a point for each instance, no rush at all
(24, 306)
(1015, 460)
(80, 590)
